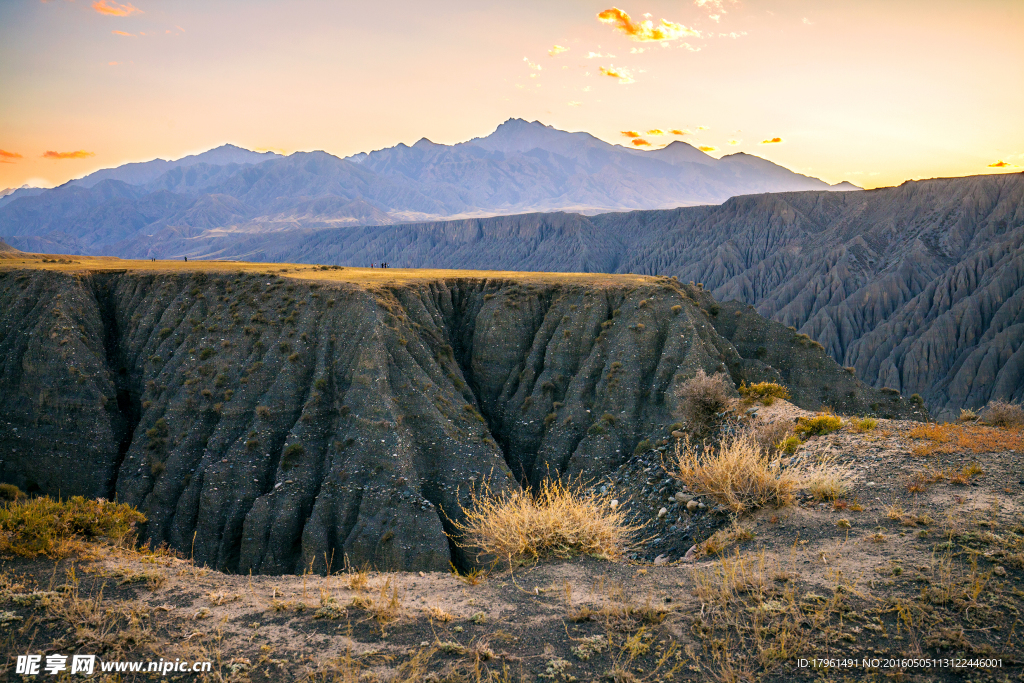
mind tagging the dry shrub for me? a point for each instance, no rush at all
(723, 538)
(967, 415)
(965, 437)
(772, 436)
(819, 425)
(557, 520)
(56, 528)
(737, 473)
(702, 398)
(766, 392)
(1003, 414)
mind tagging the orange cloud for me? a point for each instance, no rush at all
(80, 154)
(645, 31)
(676, 131)
(122, 33)
(705, 148)
(1002, 164)
(640, 142)
(113, 9)
(8, 157)
(655, 131)
(771, 141)
(631, 133)
(624, 76)
(557, 50)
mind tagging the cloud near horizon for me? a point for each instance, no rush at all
(677, 131)
(655, 131)
(645, 31)
(624, 76)
(80, 154)
(113, 9)
(771, 141)
(640, 142)
(123, 33)
(8, 157)
(631, 133)
(707, 148)
(557, 50)
(1002, 164)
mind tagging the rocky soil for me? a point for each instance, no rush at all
(273, 424)
(887, 582)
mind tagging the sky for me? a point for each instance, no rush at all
(874, 92)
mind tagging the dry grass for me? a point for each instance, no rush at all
(964, 437)
(57, 528)
(828, 479)
(557, 520)
(702, 398)
(819, 425)
(737, 473)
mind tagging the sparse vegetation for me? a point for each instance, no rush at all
(864, 424)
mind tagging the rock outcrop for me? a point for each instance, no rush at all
(272, 425)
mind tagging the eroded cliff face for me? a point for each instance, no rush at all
(275, 425)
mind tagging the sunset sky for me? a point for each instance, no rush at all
(871, 92)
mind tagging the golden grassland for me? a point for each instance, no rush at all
(371, 277)
(933, 439)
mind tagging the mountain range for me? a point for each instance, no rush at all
(521, 167)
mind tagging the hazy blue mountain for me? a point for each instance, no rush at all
(521, 167)
(146, 171)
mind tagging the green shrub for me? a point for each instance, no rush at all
(820, 424)
(643, 447)
(789, 445)
(596, 429)
(766, 392)
(10, 492)
(865, 424)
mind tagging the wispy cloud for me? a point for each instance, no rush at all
(655, 131)
(706, 148)
(598, 55)
(1002, 164)
(645, 31)
(624, 75)
(807, 22)
(710, 4)
(735, 142)
(557, 50)
(640, 142)
(123, 33)
(535, 67)
(9, 157)
(80, 154)
(733, 34)
(703, 128)
(771, 141)
(113, 9)
(574, 103)
(631, 133)
(683, 131)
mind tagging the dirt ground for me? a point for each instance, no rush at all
(915, 575)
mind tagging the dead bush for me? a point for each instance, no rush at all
(1003, 414)
(772, 436)
(557, 520)
(702, 399)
